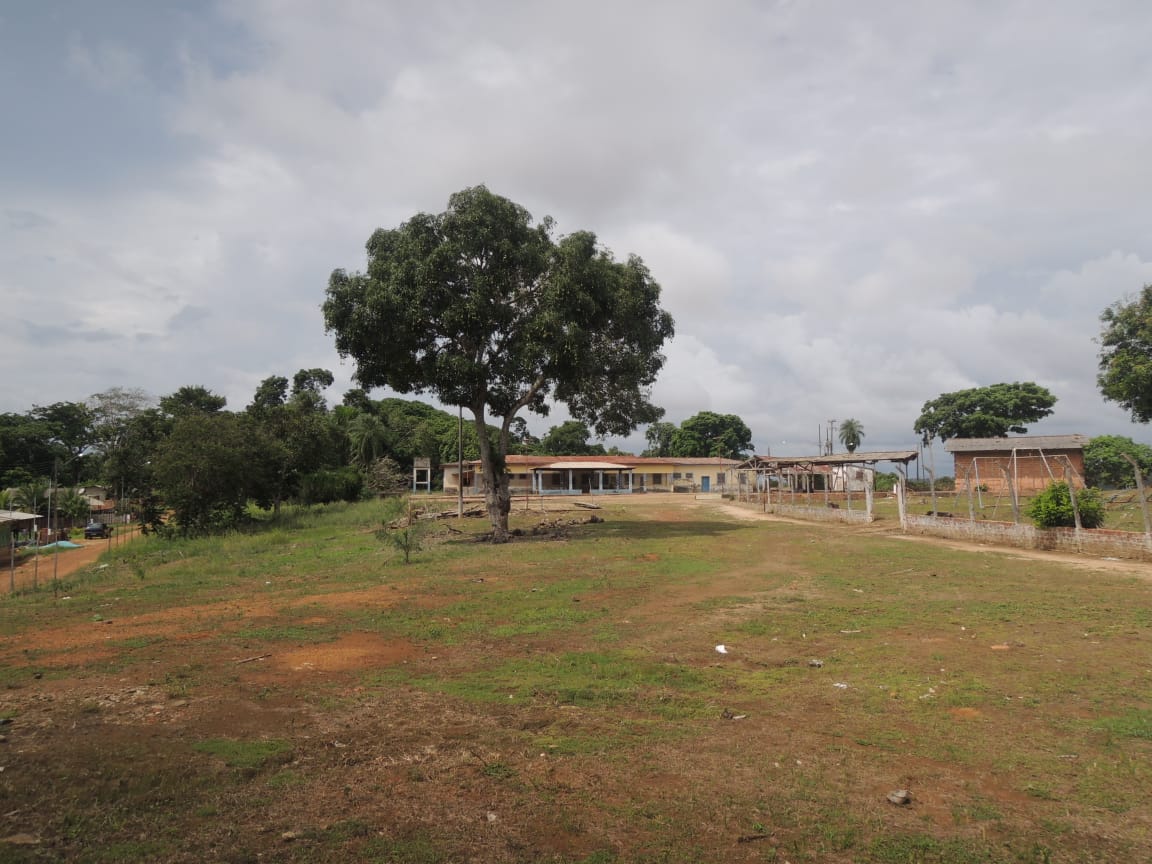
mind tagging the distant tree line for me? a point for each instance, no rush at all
(189, 465)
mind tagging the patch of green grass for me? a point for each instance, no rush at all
(925, 849)
(416, 848)
(498, 771)
(577, 678)
(976, 810)
(129, 850)
(246, 755)
(286, 779)
(1136, 723)
(134, 642)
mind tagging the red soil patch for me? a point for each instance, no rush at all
(352, 652)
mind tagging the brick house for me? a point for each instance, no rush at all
(1030, 461)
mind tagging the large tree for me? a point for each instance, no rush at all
(296, 434)
(984, 412)
(70, 427)
(570, 438)
(1105, 465)
(711, 434)
(192, 397)
(487, 311)
(659, 436)
(1126, 355)
(207, 469)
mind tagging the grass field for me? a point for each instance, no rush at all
(298, 694)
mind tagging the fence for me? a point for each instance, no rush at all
(1091, 541)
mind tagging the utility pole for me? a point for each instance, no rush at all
(831, 426)
(55, 534)
(460, 465)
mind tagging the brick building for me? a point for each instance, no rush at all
(1030, 461)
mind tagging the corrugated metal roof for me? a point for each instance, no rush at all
(17, 516)
(1017, 442)
(834, 459)
(583, 466)
(626, 461)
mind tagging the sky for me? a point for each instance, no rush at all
(851, 207)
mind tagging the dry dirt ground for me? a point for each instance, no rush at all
(31, 571)
(1086, 562)
(352, 755)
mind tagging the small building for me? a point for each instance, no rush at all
(840, 472)
(14, 526)
(601, 475)
(1028, 462)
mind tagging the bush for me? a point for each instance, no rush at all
(331, 484)
(403, 527)
(1052, 508)
(944, 483)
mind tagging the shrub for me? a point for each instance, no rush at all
(943, 483)
(1052, 508)
(403, 527)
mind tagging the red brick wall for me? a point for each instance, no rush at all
(1029, 470)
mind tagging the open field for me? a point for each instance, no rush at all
(299, 695)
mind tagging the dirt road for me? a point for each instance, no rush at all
(31, 570)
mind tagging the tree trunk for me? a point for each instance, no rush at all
(498, 499)
(497, 496)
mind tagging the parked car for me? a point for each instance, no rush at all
(96, 531)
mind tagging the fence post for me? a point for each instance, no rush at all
(1075, 507)
(1143, 501)
(1012, 494)
(968, 483)
(901, 506)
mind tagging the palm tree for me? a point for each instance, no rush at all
(71, 505)
(32, 497)
(368, 437)
(851, 431)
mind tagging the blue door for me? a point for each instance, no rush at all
(705, 483)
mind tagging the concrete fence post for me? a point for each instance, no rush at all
(1143, 500)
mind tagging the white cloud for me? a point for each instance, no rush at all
(850, 209)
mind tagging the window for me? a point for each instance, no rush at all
(676, 475)
(688, 475)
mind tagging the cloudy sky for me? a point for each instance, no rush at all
(851, 207)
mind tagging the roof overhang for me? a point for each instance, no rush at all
(775, 463)
(582, 466)
(17, 516)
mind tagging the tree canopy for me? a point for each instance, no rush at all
(984, 412)
(659, 436)
(1126, 355)
(570, 438)
(1105, 465)
(486, 310)
(711, 434)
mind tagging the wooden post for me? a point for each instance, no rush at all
(1012, 493)
(1075, 507)
(979, 491)
(931, 468)
(901, 505)
(968, 483)
(1072, 496)
(1143, 501)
